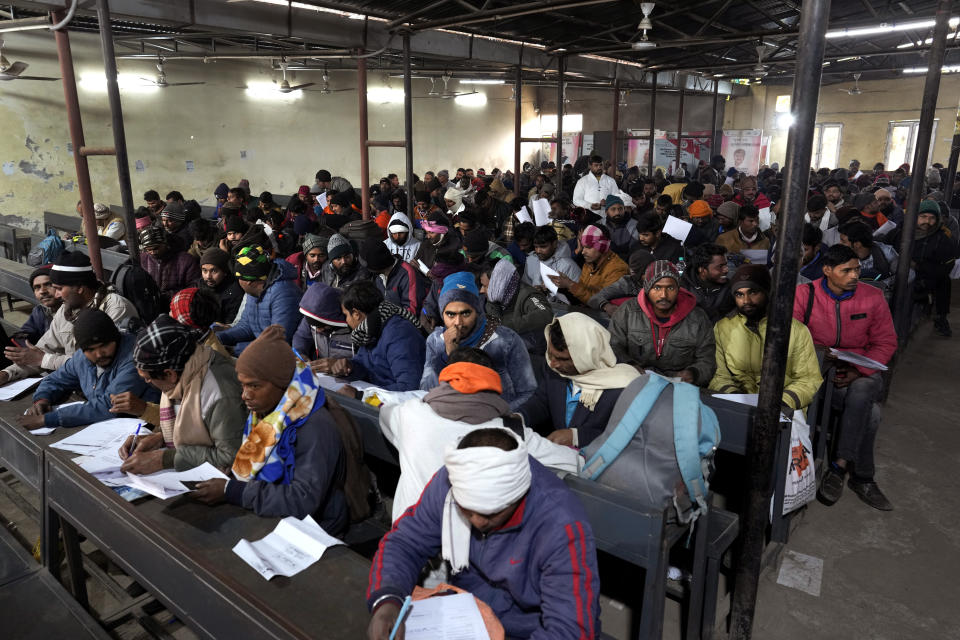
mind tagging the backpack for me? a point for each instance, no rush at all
(357, 487)
(659, 444)
(360, 230)
(47, 250)
(136, 285)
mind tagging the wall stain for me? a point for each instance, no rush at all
(9, 168)
(66, 186)
(33, 146)
(29, 167)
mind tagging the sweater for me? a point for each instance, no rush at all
(538, 572)
(37, 323)
(317, 485)
(79, 374)
(173, 272)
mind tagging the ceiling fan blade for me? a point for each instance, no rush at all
(29, 78)
(148, 80)
(302, 86)
(16, 68)
(336, 90)
(182, 84)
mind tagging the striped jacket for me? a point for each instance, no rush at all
(538, 572)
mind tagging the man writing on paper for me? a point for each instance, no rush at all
(466, 325)
(77, 286)
(467, 398)
(389, 345)
(201, 413)
(549, 251)
(663, 329)
(602, 267)
(101, 366)
(515, 537)
(740, 339)
(291, 462)
(848, 317)
(580, 385)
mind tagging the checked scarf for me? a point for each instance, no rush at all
(368, 333)
(268, 448)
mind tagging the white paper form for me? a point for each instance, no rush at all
(322, 200)
(159, 485)
(755, 256)
(885, 228)
(455, 617)
(15, 388)
(43, 431)
(857, 359)
(766, 218)
(541, 211)
(423, 267)
(523, 215)
(742, 398)
(105, 436)
(547, 282)
(677, 228)
(292, 547)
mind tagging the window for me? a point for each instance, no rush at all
(826, 145)
(902, 141)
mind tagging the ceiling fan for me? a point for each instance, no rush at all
(14, 71)
(285, 84)
(161, 79)
(759, 70)
(855, 90)
(446, 94)
(644, 26)
(325, 89)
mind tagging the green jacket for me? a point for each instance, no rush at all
(740, 360)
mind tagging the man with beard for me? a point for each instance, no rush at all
(706, 279)
(164, 257)
(435, 228)
(217, 277)
(310, 259)
(623, 227)
(818, 215)
(747, 234)
(77, 286)
(342, 267)
(592, 189)
(714, 174)
(740, 340)
(834, 196)
(888, 206)
(934, 253)
(400, 240)
(39, 320)
(101, 366)
(661, 246)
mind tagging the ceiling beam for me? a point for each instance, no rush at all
(517, 10)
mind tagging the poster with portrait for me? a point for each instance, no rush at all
(742, 149)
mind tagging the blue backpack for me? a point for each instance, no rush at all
(659, 445)
(47, 250)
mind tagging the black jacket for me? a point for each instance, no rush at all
(229, 294)
(716, 301)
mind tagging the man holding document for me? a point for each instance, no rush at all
(847, 316)
(514, 536)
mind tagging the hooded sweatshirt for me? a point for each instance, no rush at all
(408, 250)
(685, 340)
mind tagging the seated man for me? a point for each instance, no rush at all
(400, 241)
(322, 318)
(217, 277)
(47, 304)
(878, 261)
(662, 245)
(491, 503)
(173, 218)
(610, 297)
(197, 309)
(811, 260)
(201, 413)
(272, 297)
(663, 329)
(934, 252)
(623, 227)
(706, 279)
(310, 259)
(549, 251)
(101, 366)
(480, 251)
(397, 281)
(467, 398)
(747, 234)
(517, 306)
(741, 337)
(467, 325)
(292, 460)
(602, 267)
(389, 344)
(165, 258)
(342, 267)
(573, 402)
(76, 285)
(848, 317)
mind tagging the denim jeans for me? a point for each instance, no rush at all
(859, 422)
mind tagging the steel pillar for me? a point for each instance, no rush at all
(408, 119)
(560, 97)
(714, 147)
(517, 126)
(364, 137)
(683, 94)
(653, 125)
(615, 138)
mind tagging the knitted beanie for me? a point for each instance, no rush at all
(269, 358)
(658, 270)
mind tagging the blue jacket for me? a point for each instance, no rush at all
(79, 374)
(279, 304)
(538, 572)
(395, 363)
(37, 324)
(510, 359)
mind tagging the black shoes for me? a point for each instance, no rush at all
(831, 486)
(942, 327)
(870, 493)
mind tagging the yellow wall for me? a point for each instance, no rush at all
(865, 118)
(285, 142)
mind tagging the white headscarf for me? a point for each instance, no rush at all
(482, 479)
(589, 346)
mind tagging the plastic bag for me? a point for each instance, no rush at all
(801, 485)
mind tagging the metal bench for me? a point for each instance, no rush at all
(61, 222)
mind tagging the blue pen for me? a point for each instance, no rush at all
(400, 616)
(133, 445)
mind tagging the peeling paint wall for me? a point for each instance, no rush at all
(192, 138)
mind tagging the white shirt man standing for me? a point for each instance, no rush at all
(592, 189)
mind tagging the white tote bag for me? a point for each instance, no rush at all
(801, 486)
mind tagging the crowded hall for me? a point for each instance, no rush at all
(463, 320)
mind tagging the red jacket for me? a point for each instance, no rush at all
(760, 202)
(861, 323)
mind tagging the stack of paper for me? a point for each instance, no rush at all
(545, 273)
(455, 617)
(523, 215)
(857, 359)
(106, 436)
(15, 388)
(292, 547)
